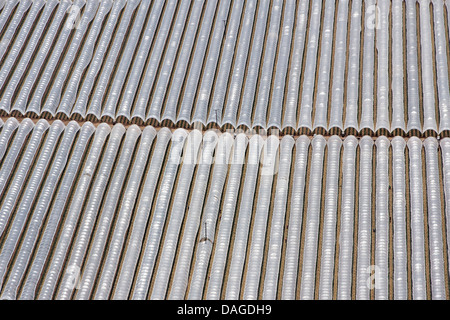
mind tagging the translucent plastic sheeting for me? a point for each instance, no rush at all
(186, 49)
(253, 65)
(346, 226)
(86, 213)
(91, 212)
(398, 103)
(382, 219)
(419, 287)
(268, 62)
(228, 217)
(13, 27)
(149, 77)
(43, 202)
(282, 63)
(363, 269)
(226, 60)
(294, 235)
(210, 65)
(433, 176)
(307, 284)
(79, 106)
(238, 70)
(399, 218)
(323, 79)
(117, 82)
(275, 244)
(127, 270)
(259, 229)
(49, 282)
(176, 216)
(331, 189)
(445, 153)
(368, 63)
(193, 219)
(29, 191)
(192, 79)
(89, 14)
(277, 64)
(414, 122)
(174, 44)
(55, 214)
(115, 247)
(382, 49)
(85, 56)
(37, 100)
(18, 182)
(354, 53)
(207, 229)
(21, 67)
(239, 250)
(16, 147)
(158, 219)
(307, 96)
(337, 90)
(441, 65)
(292, 95)
(7, 8)
(106, 216)
(7, 130)
(426, 63)
(20, 104)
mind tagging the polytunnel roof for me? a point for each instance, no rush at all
(308, 66)
(126, 171)
(139, 213)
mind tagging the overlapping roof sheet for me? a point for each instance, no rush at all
(299, 66)
(112, 212)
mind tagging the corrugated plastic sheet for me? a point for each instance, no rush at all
(360, 66)
(108, 212)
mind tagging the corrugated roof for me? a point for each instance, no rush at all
(322, 66)
(107, 212)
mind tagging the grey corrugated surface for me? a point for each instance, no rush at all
(118, 214)
(298, 65)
